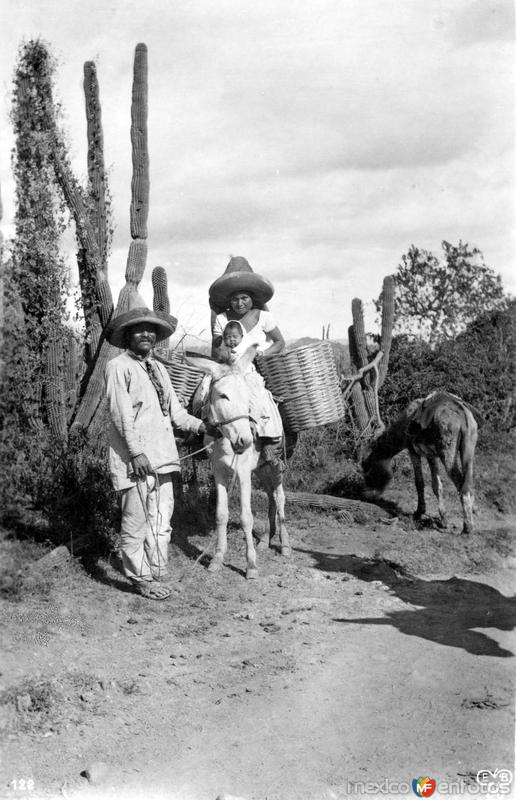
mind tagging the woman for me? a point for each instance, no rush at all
(241, 294)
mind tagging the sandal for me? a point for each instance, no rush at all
(151, 590)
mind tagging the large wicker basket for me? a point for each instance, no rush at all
(306, 382)
(183, 376)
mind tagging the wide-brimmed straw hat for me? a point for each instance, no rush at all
(239, 277)
(165, 324)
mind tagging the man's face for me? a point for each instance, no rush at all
(241, 303)
(141, 338)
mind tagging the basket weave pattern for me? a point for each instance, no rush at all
(306, 380)
(184, 378)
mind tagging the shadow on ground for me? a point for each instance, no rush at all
(448, 610)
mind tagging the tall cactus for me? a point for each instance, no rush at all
(96, 170)
(140, 179)
(70, 373)
(90, 214)
(97, 299)
(387, 325)
(54, 386)
(357, 396)
(361, 356)
(160, 300)
(89, 408)
(364, 395)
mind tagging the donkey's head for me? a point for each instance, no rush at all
(376, 465)
(228, 401)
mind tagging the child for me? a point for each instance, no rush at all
(232, 337)
(237, 342)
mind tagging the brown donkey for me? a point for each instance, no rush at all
(441, 426)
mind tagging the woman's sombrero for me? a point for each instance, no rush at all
(239, 277)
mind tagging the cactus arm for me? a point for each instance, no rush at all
(96, 170)
(140, 179)
(160, 300)
(54, 386)
(387, 325)
(359, 331)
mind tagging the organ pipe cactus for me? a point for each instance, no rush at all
(387, 325)
(99, 301)
(54, 387)
(89, 411)
(160, 286)
(160, 299)
(70, 373)
(90, 213)
(364, 395)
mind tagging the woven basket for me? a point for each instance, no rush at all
(306, 381)
(184, 377)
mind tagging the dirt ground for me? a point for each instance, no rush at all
(377, 653)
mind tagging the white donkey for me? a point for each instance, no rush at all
(234, 455)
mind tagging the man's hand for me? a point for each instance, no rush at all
(141, 466)
(209, 430)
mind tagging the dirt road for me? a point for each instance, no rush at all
(378, 654)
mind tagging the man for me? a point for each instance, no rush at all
(143, 406)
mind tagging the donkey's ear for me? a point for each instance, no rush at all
(247, 358)
(206, 365)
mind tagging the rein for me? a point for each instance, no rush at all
(218, 423)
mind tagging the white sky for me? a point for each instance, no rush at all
(317, 138)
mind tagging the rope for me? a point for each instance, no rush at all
(148, 520)
(143, 500)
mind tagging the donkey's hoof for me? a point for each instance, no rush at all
(286, 552)
(215, 564)
(263, 544)
(252, 573)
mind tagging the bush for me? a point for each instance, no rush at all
(74, 493)
(478, 366)
(322, 456)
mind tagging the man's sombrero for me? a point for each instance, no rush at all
(165, 324)
(239, 277)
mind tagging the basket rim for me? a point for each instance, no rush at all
(297, 349)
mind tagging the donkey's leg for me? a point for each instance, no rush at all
(463, 480)
(437, 487)
(279, 502)
(221, 518)
(246, 520)
(264, 476)
(420, 484)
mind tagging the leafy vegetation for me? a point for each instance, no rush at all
(437, 298)
(479, 366)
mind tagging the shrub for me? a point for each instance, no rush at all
(74, 493)
(478, 366)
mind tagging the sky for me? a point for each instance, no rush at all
(319, 139)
